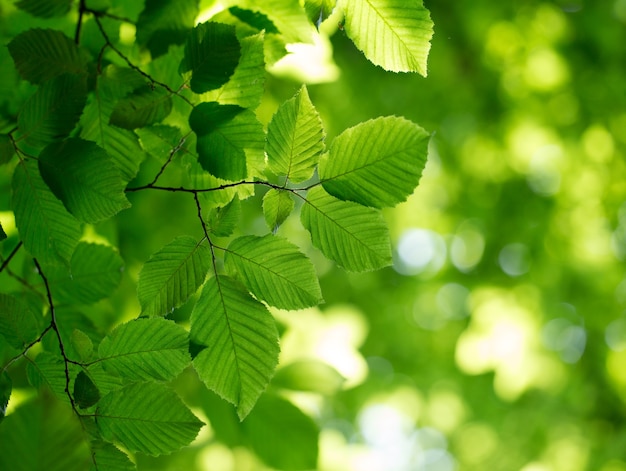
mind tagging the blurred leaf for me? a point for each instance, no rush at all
(318, 10)
(86, 393)
(309, 375)
(82, 344)
(287, 15)
(141, 108)
(255, 19)
(6, 149)
(223, 220)
(5, 393)
(19, 323)
(243, 341)
(107, 457)
(45, 8)
(159, 140)
(277, 206)
(147, 417)
(172, 275)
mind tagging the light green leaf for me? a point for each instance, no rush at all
(172, 275)
(143, 107)
(393, 34)
(223, 220)
(275, 271)
(86, 393)
(146, 349)
(318, 10)
(82, 344)
(377, 163)
(45, 8)
(82, 175)
(47, 230)
(212, 52)
(6, 387)
(147, 417)
(165, 22)
(288, 16)
(265, 429)
(53, 111)
(277, 206)
(6, 149)
(106, 457)
(352, 235)
(241, 343)
(309, 375)
(41, 54)
(19, 323)
(295, 138)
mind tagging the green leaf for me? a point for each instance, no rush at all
(165, 22)
(94, 273)
(82, 175)
(393, 34)
(86, 393)
(277, 206)
(172, 275)
(295, 138)
(106, 457)
(212, 52)
(309, 375)
(146, 349)
(318, 10)
(377, 163)
(47, 230)
(226, 133)
(41, 54)
(6, 149)
(147, 417)
(242, 342)
(288, 16)
(19, 323)
(141, 108)
(275, 271)
(53, 111)
(255, 19)
(5, 393)
(45, 8)
(3, 235)
(82, 344)
(354, 236)
(48, 370)
(265, 428)
(159, 140)
(223, 220)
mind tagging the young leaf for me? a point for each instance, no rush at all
(165, 22)
(212, 52)
(172, 275)
(6, 387)
(275, 271)
(19, 324)
(352, 235)
(47, 230)
(241, 339)
(147, 417)
(106, 457)
(82, 175)
(41, 54)
(295, 138)
(146, 349)
(82, 344)
(277, 206)
(45, 8)
(377, 163)
(6, 149)
(393, 34)
(86, 393)
(223, 220)
(141, 108)
(53, 111)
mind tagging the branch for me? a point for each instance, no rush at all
(174, 150)
(206, 232)
(11, 255)
(206, 190)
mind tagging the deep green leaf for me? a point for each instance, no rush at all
(255, 19)
(3, 235)
(146, 349)
(241, 339)
(212, 52)
(41, 54)
(82, 175)
(223, 220)
(82, 344)
(165, 22)
(393, 34)
(147, 417)
(143, 107)
(6, 387)
(86, 393)
(275, 271)
(354, 236)
(19, 323)
(172, 275)
(106, 457)
(309, 375)
(53, 111)
(287, 15)
(47, 230)
(282, 435)
(295, 138)
(377, 163)
(277, 206)
(6, 149)
(45, 8)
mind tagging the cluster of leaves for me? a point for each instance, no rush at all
(97, 111)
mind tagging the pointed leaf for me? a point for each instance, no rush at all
(41, 54)
(147, 417)
(377, 163)
(146, 349)
(393, 34)
(223, 220)
(82, 175)
(6, 387)
(45, 8)
(19, 323)
(106, 457)
(352, 235)
(241, 339)
(53, 111)
(86, 393)
(275, 271)
(6, 149)
(172, 275)
(48, 231)
(277, 206)
(295, 138)
(212, 52)
(141, 108)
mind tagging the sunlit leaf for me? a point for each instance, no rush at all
(45, 8)
(352, 235)
(106, 457)
(86, 393)
(82, 175)
(318, 10)
(277, 206)
(223, 220)
(19, 323)
(241, 343)
(377, 163)
(309, 375)
(172, 274)
(147, 417)
(288, 16)
(141, 108)
(275, 271)
(146, 349)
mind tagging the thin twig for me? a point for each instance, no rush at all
(174, 150)
(26, 348)
(11, 255)
(79, 23)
